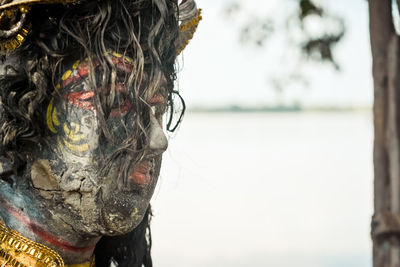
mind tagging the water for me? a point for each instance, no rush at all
(267, 189)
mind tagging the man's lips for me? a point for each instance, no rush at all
(141, 174)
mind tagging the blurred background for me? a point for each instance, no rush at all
(272, 165)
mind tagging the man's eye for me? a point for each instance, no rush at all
(119, 100)
(122, 104)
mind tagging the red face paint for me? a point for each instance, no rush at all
(141, 174)
(84, 99)
(126, 105)
(41, 232)
(78, 99)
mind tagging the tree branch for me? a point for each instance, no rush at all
(386, 55)
(381, 33)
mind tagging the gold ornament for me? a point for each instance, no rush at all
(15, 41)
(17, 32)
(188, 29)
(18, 251)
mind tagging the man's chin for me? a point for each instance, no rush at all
(120, 218)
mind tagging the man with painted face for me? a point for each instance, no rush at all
(84, 86)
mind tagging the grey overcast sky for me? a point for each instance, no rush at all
(217, 70)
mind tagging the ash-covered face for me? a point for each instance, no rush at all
(100, 182)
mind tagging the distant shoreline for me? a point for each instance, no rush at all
(295, 109)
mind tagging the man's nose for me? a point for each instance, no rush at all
(158, 142)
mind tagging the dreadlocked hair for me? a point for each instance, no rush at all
(143, 30)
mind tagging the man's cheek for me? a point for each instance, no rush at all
(77, 132)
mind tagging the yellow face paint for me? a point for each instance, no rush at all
(72, 147)
(117, 54)
(72, 138)
(66, 75)
(76, 64)
(49, 116)
(73, 134)
(55, 118)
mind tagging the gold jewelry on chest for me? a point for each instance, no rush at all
(18, 251)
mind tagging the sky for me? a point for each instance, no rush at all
(217, 70)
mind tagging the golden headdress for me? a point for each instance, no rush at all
(14, 26)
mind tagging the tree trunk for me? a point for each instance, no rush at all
(385, 45)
